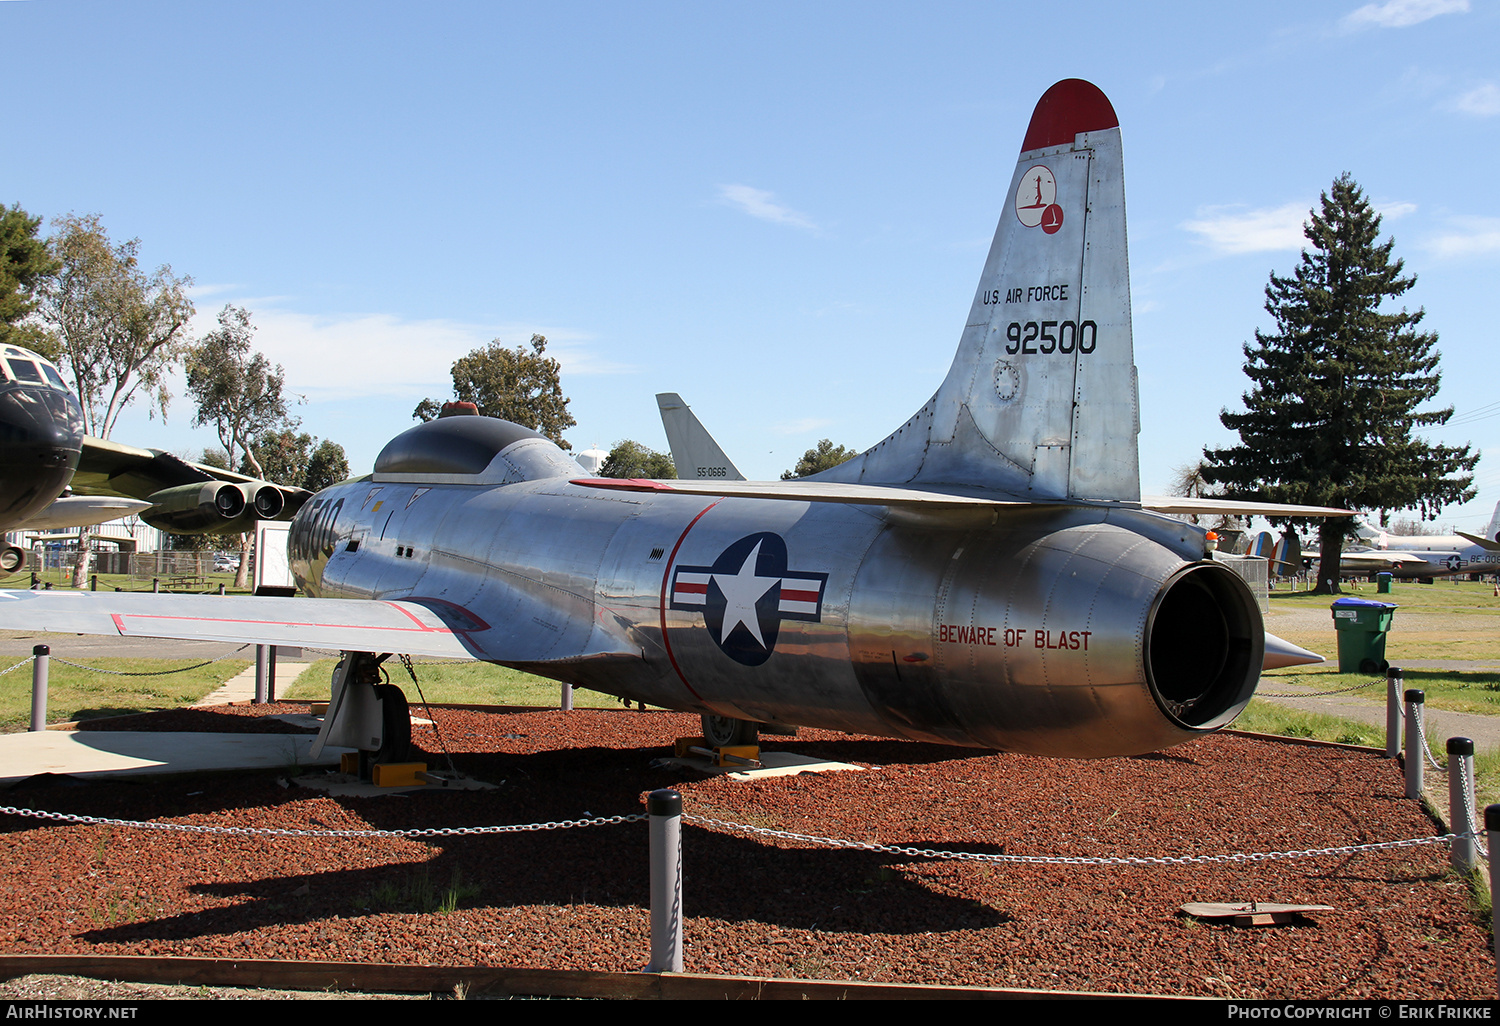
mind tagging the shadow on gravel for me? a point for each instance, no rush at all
(835, 891)
(729, 877)
(204, 721)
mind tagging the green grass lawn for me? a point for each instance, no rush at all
(456, 683)
(79, 694)
(63, 580)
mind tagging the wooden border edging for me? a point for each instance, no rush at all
(375, 977)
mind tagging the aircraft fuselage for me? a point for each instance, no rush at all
(41, 435)
(1068, 631)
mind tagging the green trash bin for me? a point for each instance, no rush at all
(1383, 583)
(1362, 626)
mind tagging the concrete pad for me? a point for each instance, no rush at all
(241, 687)
(773, 764)
(109, 754)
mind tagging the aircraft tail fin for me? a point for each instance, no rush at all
(1041, 400)
(694, 452)
(1492, 532)
(1286, 560)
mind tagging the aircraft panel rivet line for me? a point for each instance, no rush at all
(832, 842)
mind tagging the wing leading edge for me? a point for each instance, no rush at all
(409, 626)
(936, 498)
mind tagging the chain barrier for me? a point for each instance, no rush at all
(1467, 781)
(832, 842)
(1422, 737)
(197, 828)
(144, 673)
(1167, 860)
(22, 663)
(1319, 694)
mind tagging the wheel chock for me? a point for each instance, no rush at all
(398, 774)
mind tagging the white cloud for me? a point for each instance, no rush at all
(1483, 101)
(380, 354)
(1251, 231)
(1394, 209)
(1467, 237)
(1401, 13)
(762, 204)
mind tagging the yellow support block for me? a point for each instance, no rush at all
(750, 752)
(680, 748)
(397, 774)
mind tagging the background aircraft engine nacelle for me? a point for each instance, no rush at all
(214, 506)
(266, 500)
(1058, 636)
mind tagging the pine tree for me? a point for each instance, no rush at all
(1329, 418)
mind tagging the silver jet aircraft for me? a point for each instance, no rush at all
(984, 576)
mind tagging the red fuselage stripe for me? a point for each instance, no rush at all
(666, 576)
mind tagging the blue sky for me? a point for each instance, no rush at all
(778, 210)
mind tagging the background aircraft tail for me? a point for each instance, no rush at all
(1040, 402)
(1492, 532)
(694, 452)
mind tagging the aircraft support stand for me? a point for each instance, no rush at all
(665, 810)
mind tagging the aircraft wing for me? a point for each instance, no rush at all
(1484, 543)
(808, 490)
(184, 497)
(111, 468)
(1378, 559)
(411, 627)
(82, 511)
(814, 490)
(1177, 505)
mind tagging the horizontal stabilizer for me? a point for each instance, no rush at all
(1483, 543)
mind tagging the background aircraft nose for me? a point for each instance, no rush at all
(41, 435)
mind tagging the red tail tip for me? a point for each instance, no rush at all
(1069, 107)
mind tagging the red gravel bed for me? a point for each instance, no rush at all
(1403, 926)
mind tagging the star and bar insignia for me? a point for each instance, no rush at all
(746, 594)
